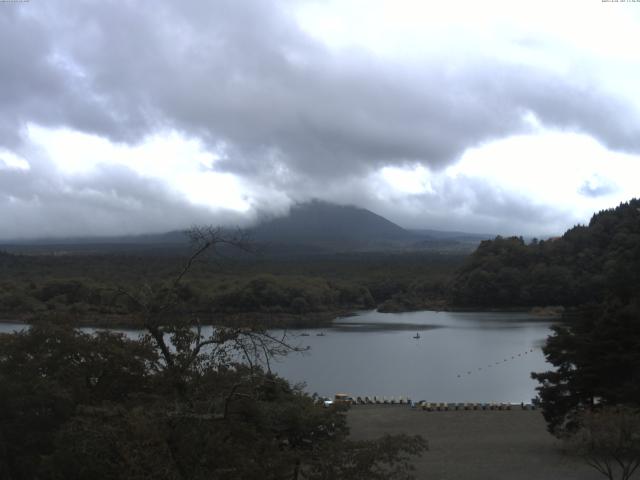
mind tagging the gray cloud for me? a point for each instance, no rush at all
(242, 73)
(461, 204)
(281, 109)
(597, 186)
(110, 200)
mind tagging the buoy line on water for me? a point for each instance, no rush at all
(491, 365)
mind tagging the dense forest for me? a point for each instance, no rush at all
(293, 289)
(596, 349)
(586, 264)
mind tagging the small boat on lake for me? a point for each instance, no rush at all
(321, 334)
(417, 335)
(304, 334)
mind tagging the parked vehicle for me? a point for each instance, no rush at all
(326, 402)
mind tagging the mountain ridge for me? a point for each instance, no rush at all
(312, 227)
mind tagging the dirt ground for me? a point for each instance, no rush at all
(475, 445)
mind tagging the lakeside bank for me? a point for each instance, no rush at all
(267, 320)
(241, 319)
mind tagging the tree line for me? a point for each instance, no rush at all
(586, 264)
(83, 286)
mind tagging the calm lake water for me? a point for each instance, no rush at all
(459, 357)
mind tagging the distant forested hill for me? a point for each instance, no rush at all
(315, 227)
(321, 222)
(587, 264)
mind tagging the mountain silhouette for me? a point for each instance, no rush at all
(320, 222)
(312, 227)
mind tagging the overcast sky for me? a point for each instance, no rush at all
(121, 117)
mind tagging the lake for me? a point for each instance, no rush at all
(459, 357)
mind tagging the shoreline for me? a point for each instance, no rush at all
(244, 319)
(268, 320)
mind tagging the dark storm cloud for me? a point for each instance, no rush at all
(280, 108)
(242, 75)
(36, 84)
